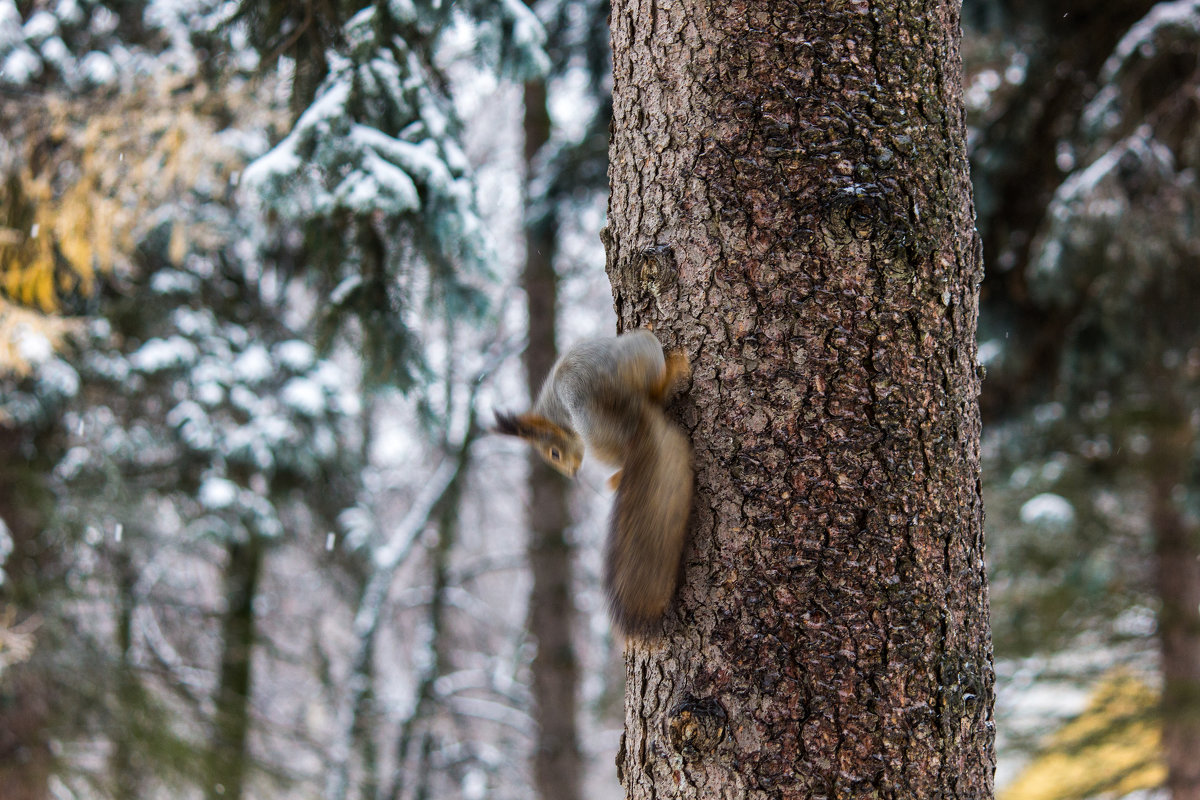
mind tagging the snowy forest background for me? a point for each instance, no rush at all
(261, 290)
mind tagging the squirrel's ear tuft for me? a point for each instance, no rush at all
(530, 426)
(507, 424)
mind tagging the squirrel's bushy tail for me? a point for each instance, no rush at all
(649, 523)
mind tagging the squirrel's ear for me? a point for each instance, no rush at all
(508, 424)
(528, 426)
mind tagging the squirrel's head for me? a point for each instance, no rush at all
(561, 448)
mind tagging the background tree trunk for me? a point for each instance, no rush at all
(124, 758)
(26, 689)
(229, 756)
(791, 205)
(1177, 547)
(557, 765)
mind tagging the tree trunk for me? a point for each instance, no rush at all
(416, 740)
(231, 728)
(557, 765)
(26, 689)
(124, 759)
(791, 205)
(1177, 548)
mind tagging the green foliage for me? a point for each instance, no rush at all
(374, 173)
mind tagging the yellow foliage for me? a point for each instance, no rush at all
(16, 640)
(178, 246)
(22, 331)
(89, 179)
(1111, 749)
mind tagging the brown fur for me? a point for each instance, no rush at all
(616, 389)
(648, 526)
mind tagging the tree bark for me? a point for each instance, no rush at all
(791, 205)
(557, 764)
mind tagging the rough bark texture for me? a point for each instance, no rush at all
(557, 764)
(791, 205)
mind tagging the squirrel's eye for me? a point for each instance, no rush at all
(555, 455)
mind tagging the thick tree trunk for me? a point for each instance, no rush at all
(229, 756)
(557, 765)
(791, 205)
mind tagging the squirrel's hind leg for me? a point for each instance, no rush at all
(676, 372)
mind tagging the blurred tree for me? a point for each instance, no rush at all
(557, 766)
(374, 174)
(1098, 428)
(204, 417)
(66, 218)
(553, 181)
(194, 420)
(1032, 67)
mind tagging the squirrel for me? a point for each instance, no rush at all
(608, 395)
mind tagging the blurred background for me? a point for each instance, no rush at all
(266, 270)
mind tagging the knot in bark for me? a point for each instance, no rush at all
(696, 726)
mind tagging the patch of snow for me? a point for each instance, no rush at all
(217, 493)
(6, 542)
(160, 354)
(195, 427)
(295, 355)
(33, 346)
(6, 547)
(246, 400)
(41, 25)
(98, 68)
(1048, 509)
(20, 66)
(254, 365)
(56, 52)
(379, 185)
(304, 395)
(343, 289)
(989, 351)
(59, 377)
(72, 463)
(103, 21)
(192, 322)
(1140, 38)
(403, 11)
(210, 393)
(10, 26)
(69, 11)
(528, 38)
